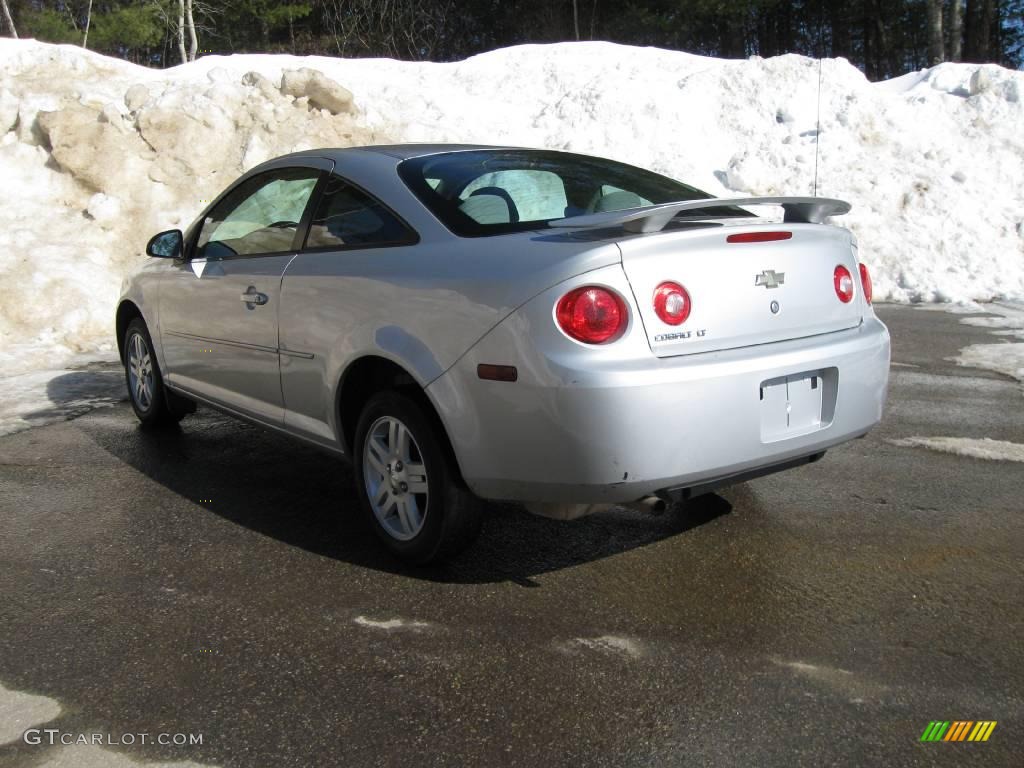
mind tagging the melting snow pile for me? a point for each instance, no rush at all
(1005, 320)
(97, 154)
(975, 448)
(1006, 357)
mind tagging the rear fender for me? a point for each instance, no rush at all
(549, 365)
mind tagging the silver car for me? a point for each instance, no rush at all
(469, 322)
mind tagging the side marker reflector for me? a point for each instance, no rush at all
(497, 372)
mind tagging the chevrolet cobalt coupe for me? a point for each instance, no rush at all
(469, 322)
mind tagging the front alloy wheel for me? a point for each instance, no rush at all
(140, 372)
(151, 402)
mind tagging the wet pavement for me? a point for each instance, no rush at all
(216, 581)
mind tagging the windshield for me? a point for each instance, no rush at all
(492, 191)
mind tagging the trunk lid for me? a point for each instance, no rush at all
(733, 287)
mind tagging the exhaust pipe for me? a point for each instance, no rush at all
(648, 504)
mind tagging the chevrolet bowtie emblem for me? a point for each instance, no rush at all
(770, 278)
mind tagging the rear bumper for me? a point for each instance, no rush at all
(711, 484)
(617, 433)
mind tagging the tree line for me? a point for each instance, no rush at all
(882, 37)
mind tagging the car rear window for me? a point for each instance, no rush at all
(488, 192)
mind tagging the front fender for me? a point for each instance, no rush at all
(140, 294)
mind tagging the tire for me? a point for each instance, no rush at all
(153, 404)
(408, 485)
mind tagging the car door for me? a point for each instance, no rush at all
(219, 307)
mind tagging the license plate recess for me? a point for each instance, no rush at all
(797, 404)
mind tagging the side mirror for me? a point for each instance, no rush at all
(166, 245)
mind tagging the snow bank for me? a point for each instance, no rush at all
(97, 154)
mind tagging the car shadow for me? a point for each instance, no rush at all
(146, 617)
(305, 498)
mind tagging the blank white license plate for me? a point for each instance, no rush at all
(793, 405)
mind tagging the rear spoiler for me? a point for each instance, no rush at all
(654, 218)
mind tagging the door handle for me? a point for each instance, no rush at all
(254, 297)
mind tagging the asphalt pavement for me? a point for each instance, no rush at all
(217, 581)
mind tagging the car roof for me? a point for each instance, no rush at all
(397, 151)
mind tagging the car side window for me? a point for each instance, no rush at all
(260, 215)
(348, 217)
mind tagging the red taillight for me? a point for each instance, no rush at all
(843, 281)
(672, 303)
(591, 314)
(865, 281)
(758, 237)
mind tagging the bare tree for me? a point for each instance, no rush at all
(88, 20)
(576, 18)
(8, 19)
(956, 29)
(179, 19)
(181, 31)
(396, 28)
(193, 40)
(936, 49)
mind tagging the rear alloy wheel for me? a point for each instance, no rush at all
(150, 400)
(395, 477)
(407, 483)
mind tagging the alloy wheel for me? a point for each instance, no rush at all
(395, 477)
(140, 372)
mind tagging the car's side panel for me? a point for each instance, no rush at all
(421, 306)
(339, 306)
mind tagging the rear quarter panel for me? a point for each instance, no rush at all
(421, 306)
